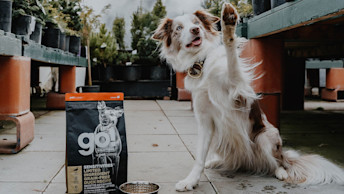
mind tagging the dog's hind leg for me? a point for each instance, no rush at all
(229, 18)
(205, 133)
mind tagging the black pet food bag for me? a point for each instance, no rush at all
(96, 150)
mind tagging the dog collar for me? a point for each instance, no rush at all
(196, 70)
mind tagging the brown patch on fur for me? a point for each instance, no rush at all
(240, 102)
(277, 153)
(229, 16)
(207, 20)
(256, 118)
(164, 31)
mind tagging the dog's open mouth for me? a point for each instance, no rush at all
(196, 42)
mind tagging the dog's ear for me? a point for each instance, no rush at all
(207, 19)
(164, 31)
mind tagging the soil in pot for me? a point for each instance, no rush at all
(260, 6)
(51, 37)
(74, 44)
(23, 25)
(5, 15)
(37, 33)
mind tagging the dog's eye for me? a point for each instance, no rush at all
(179, 28)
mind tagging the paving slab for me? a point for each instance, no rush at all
(175, 105)
(155, 143)
(179, 113)
(50, 129)
(190, 142)
(202, 188)
(30, 166)
(54, 120)
(162, 137)
(47, 143)
(168, 167)
(184, 125)
(147, 122)
(60, 176)
(246, 183)
(22, 187)
(56, 188)
(137, 105)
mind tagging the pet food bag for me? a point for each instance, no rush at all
(96, 151)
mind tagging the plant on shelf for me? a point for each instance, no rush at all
(71, 15)
(24, 8)
(23, 12)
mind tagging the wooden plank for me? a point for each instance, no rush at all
(292, 15)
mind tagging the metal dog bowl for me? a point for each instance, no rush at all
(139, 187)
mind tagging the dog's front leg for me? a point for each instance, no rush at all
(205, 133)
(229, 17)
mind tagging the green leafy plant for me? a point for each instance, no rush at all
(27, 7)
(118, 30)
(103, 47)
(23, 7)
(142, 28)
(71, 15)
(89, 21)
(244, 7)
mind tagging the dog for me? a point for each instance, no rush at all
(232, 129)
(110, 145)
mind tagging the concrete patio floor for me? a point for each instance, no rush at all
(161, 144)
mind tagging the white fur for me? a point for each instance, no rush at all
(223, 128)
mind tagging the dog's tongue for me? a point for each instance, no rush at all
(196, 42)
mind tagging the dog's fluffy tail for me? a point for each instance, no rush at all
(311, 169)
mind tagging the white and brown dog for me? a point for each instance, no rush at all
(232, 129)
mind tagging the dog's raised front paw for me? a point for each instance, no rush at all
(229, 14)
(187, 184)
(281, 173)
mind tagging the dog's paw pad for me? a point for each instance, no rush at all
(229, 15)
(186, 185)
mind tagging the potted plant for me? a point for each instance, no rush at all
(275, 3)
(103, 50)
(39, 15)
(71, 15)
(52, 18)
(23, 19)
(5, 15)
(260, 6)
(143, 26)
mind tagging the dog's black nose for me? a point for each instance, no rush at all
(195, 30)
